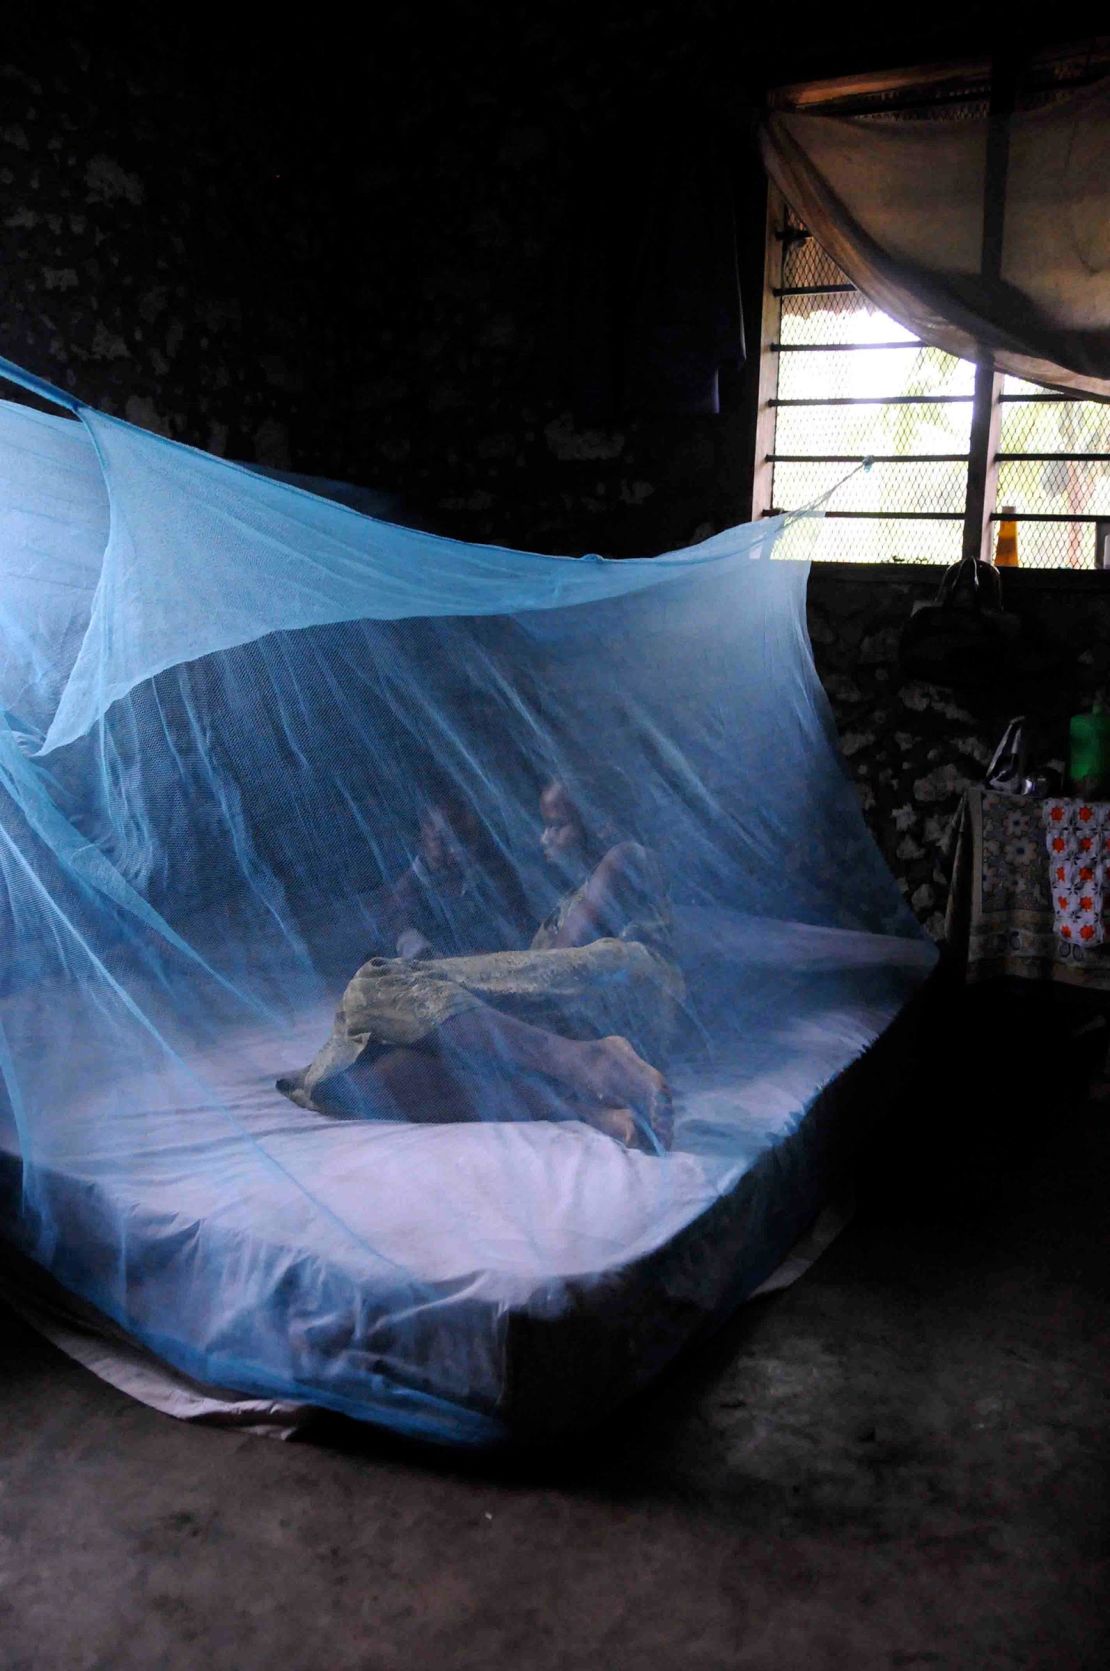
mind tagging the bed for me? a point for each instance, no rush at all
(491, 1281)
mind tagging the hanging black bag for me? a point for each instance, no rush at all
(964, 636)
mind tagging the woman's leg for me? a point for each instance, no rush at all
(481, 1063)
(406, 1083)
(605, 1080)
(421, 1084)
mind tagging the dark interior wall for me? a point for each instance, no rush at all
(348, 255)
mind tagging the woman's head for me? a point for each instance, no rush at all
(563, 839)
(578, 830)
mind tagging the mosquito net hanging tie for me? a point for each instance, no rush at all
(417, 950)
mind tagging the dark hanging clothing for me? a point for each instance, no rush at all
(652, 290)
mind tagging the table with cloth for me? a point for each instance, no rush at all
(1005, 916)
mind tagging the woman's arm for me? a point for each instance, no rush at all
(618, 884)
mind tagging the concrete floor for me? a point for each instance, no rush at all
(899, 1462)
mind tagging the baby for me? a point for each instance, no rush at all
(457, 896)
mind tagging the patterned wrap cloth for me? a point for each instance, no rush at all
(1077, 835)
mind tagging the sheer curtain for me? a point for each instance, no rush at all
(900, 206)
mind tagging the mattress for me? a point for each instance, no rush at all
(486, 1281)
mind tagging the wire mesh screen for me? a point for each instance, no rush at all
(876, 370)
(805, 263)
(854, 384)
(1054, 469)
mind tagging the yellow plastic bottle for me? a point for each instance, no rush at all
(1006, 546)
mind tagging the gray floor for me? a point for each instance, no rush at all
(899, 1462)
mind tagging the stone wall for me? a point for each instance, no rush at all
(159, 259)
(912, 747)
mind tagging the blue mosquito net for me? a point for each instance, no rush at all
(407, 942)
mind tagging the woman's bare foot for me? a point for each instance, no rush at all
(628, 1127)
(628, 1089)
(619, 1123)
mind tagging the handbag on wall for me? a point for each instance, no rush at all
(1013, 769)
(966, 637)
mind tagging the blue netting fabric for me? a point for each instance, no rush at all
(334, 857)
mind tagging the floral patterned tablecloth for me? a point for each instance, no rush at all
(999, 918)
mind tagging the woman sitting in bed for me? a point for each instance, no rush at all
(572, 1028)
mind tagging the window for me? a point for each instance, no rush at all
(841, 382)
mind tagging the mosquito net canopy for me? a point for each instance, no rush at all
(395, 928)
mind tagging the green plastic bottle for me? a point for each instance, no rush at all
(1089, 754)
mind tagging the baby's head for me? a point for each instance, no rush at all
(448, 834)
